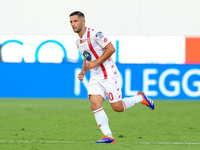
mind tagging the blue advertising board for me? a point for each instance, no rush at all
(35, 80)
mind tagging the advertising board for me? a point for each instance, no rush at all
(42, 80)
(61, 48)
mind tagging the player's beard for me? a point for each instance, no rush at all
(79, 30)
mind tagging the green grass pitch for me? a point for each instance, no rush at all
(62, 124)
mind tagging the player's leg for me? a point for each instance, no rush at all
(126, 103)
(117, 106)
(120, 105)
(96, 101)
(96, 96)
(101, 118)
(114, 94)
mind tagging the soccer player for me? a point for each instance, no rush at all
(97, 49)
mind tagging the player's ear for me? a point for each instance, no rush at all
(83, 21)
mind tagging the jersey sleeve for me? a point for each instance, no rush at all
(101, 39)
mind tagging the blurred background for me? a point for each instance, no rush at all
(157, 47)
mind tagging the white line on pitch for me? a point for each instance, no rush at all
(51, 141)
(169, 143)
(39, 141)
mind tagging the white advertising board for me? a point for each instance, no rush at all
(59, 48)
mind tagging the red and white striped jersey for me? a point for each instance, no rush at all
(91, 46)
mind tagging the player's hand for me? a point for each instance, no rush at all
(91, 64)
(81, 76)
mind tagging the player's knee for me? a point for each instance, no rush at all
(118, 108)
(95, 106)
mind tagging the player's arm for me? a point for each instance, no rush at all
(84, 68)
(83, 71)
(109, 50)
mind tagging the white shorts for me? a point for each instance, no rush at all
(106, 87)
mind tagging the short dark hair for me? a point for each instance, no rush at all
(78, 13)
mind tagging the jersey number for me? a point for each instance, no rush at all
(110, 96)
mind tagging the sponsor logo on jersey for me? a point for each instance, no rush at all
(99, 35)
(87, 55)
